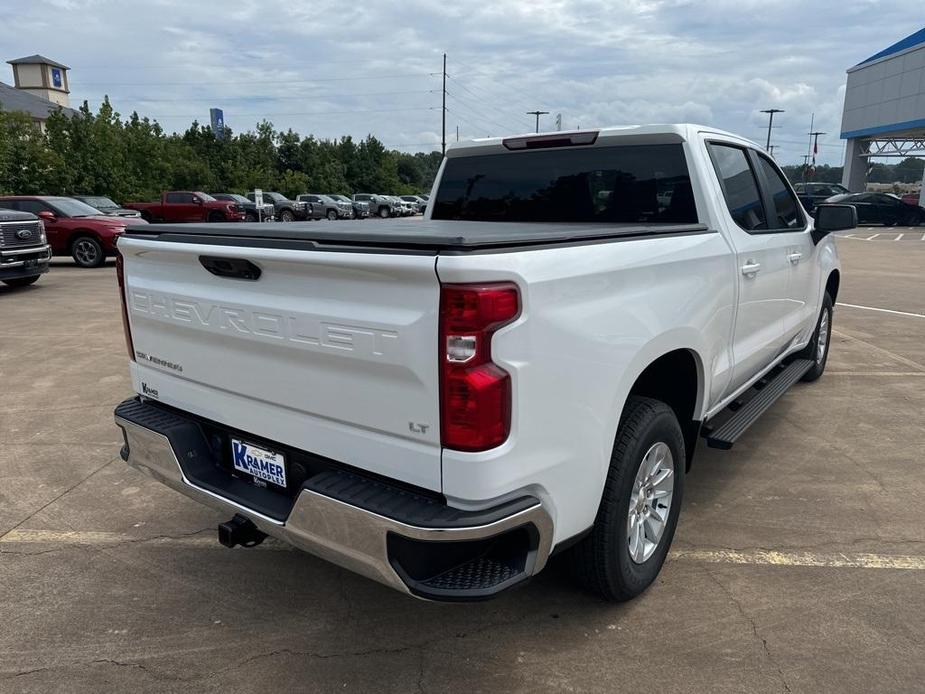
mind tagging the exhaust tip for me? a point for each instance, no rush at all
(240, 531)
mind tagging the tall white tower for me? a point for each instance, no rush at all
(42, 77)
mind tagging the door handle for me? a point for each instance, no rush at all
(795, 257)
(751, 268)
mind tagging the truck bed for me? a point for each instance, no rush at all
(427, 236)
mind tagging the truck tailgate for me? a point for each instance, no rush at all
(330, 352)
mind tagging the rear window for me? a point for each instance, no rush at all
(638, 184)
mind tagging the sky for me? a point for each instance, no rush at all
(331, 69)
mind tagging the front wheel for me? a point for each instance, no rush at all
(21, 281)
(640, 504)
(818, 348)
(384, 212)
(332, 215)
(87, 252)
(286, 216)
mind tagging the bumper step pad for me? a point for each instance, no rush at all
(775, 385)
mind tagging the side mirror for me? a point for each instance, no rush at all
(47, 215)
(197, 201)
(833, 217)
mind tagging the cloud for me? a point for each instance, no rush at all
(328, 68)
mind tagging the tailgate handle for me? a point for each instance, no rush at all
(237, 268)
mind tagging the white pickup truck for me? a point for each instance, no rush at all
(441, 405)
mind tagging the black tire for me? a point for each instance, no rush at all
(812, 349)
(602, 561)
(87, 252)
(332, 215)
(215, 217)
(286, 216)
(145, 215)
(21, 281)
(250, 216)
(912, 219)
(384, 212)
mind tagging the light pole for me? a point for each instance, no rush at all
(537, 114)
(770, 112)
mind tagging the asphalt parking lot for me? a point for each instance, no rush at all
(799, 563)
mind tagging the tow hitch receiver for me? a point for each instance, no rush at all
(240, 531)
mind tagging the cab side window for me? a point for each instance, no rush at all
(180, 198)
(785, 214)
(740, 187)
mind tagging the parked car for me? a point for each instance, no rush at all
(73, 227)
(911, 199)
(379, 205)
(107, 205)
(882, 208)
(267, 212)
(24, 250)
(188, 206)
(330, 208)
(360, 208)
(584, 344)
(289, 210)
(419, 203)
(405, 209)
(812, 193)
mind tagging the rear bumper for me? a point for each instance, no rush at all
(415, 544)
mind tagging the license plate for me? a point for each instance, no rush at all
(30, 264)
(264, 465)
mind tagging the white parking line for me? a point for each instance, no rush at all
(853, 560)
(760, 557)
(871, 238)
(899, 237)
(883, 310)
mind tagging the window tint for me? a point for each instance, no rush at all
(33, 206)
(638, 184)
(786, 213)
(739, 186)
(179, 197)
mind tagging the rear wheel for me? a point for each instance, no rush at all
(87, 252)
(913, 219)
(640, 504)
(21, 281)
(250, 216)
(818, 348)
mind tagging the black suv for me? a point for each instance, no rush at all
(24, 251)
(811, 194)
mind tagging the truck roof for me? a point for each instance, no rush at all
(403, 234)
(611, 135)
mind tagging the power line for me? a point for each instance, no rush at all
(303, 97)
(243, 80)
(482, 96)
(263, 114)
(479, 115)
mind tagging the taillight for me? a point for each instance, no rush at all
(120, 275)
(475, 411)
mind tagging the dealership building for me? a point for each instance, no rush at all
(884, 112)
(39, 87)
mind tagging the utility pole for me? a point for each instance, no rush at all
(815, 135)
(771, 112)
(537, 114)
(443, 110)
(457, 133)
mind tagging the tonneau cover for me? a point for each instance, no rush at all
(421, 235)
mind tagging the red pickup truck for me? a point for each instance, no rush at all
(187, 206)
